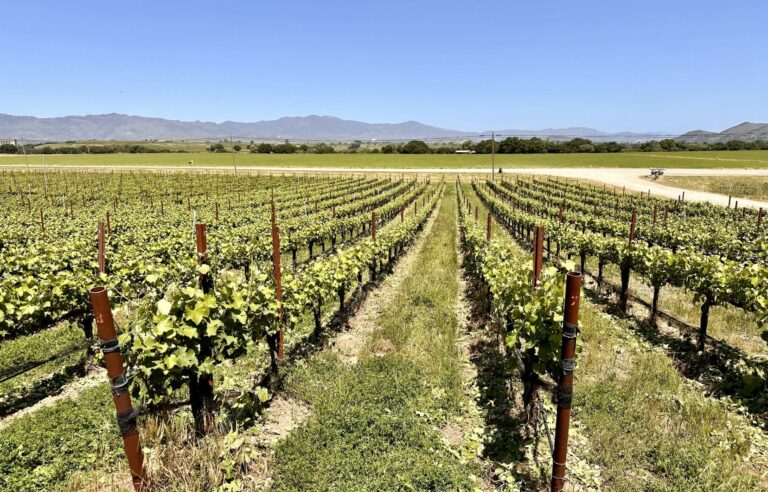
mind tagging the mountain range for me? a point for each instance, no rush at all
(323, 128)
(748, 132)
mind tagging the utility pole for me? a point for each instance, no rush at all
(493, 153)
(24, 149)
(234, 164)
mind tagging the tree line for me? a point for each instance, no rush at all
(509, 145)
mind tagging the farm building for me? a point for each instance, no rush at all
(7, 141)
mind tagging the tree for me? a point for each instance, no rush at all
(217, 147)
(668, 144)
(415, 147)
(264, 148)
(355, 145)
(388, 149)
(284, 148)
(483, 147)
(8, 149)
(237, 148)
(323, 148)
(736, 145)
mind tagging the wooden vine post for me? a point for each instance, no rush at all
(538, 255)
(373, 226)
(101, 249)
(113, 360)
(201, 387)
(488, 228)
(278, 340)
(565, 384)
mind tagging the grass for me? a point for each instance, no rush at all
(645, 425)
(703, 160)
(37, 382)
(649, 428)
(374, 423)
(40, 451)
(755, 187)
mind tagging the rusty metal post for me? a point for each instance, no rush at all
(476, 209)
(655, 212)
(538, 255)
(488, 228)
(415, 207)
(109, 225)
(216, 211)
(729, 201)
(42, 220)
(402, 214)
(101, 256)
(759, 218)
(333, 212)
(126, 415)
(565, 385)
(562, 217)
(162, 211)
(201, 239)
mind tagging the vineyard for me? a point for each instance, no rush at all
(201, 307)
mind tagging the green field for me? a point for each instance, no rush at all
(755, 187)
(702, 160)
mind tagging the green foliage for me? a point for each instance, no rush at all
(687, 253)
(415, 147)
(367, 419)
(39, 364)
(667, 428)
(534, 318)
(40, 451)
(167, 343)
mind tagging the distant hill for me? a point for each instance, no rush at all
(326, 128)
(581, 132)
(747, 132)
(124, 127)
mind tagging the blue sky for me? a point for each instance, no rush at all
(667, 66)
